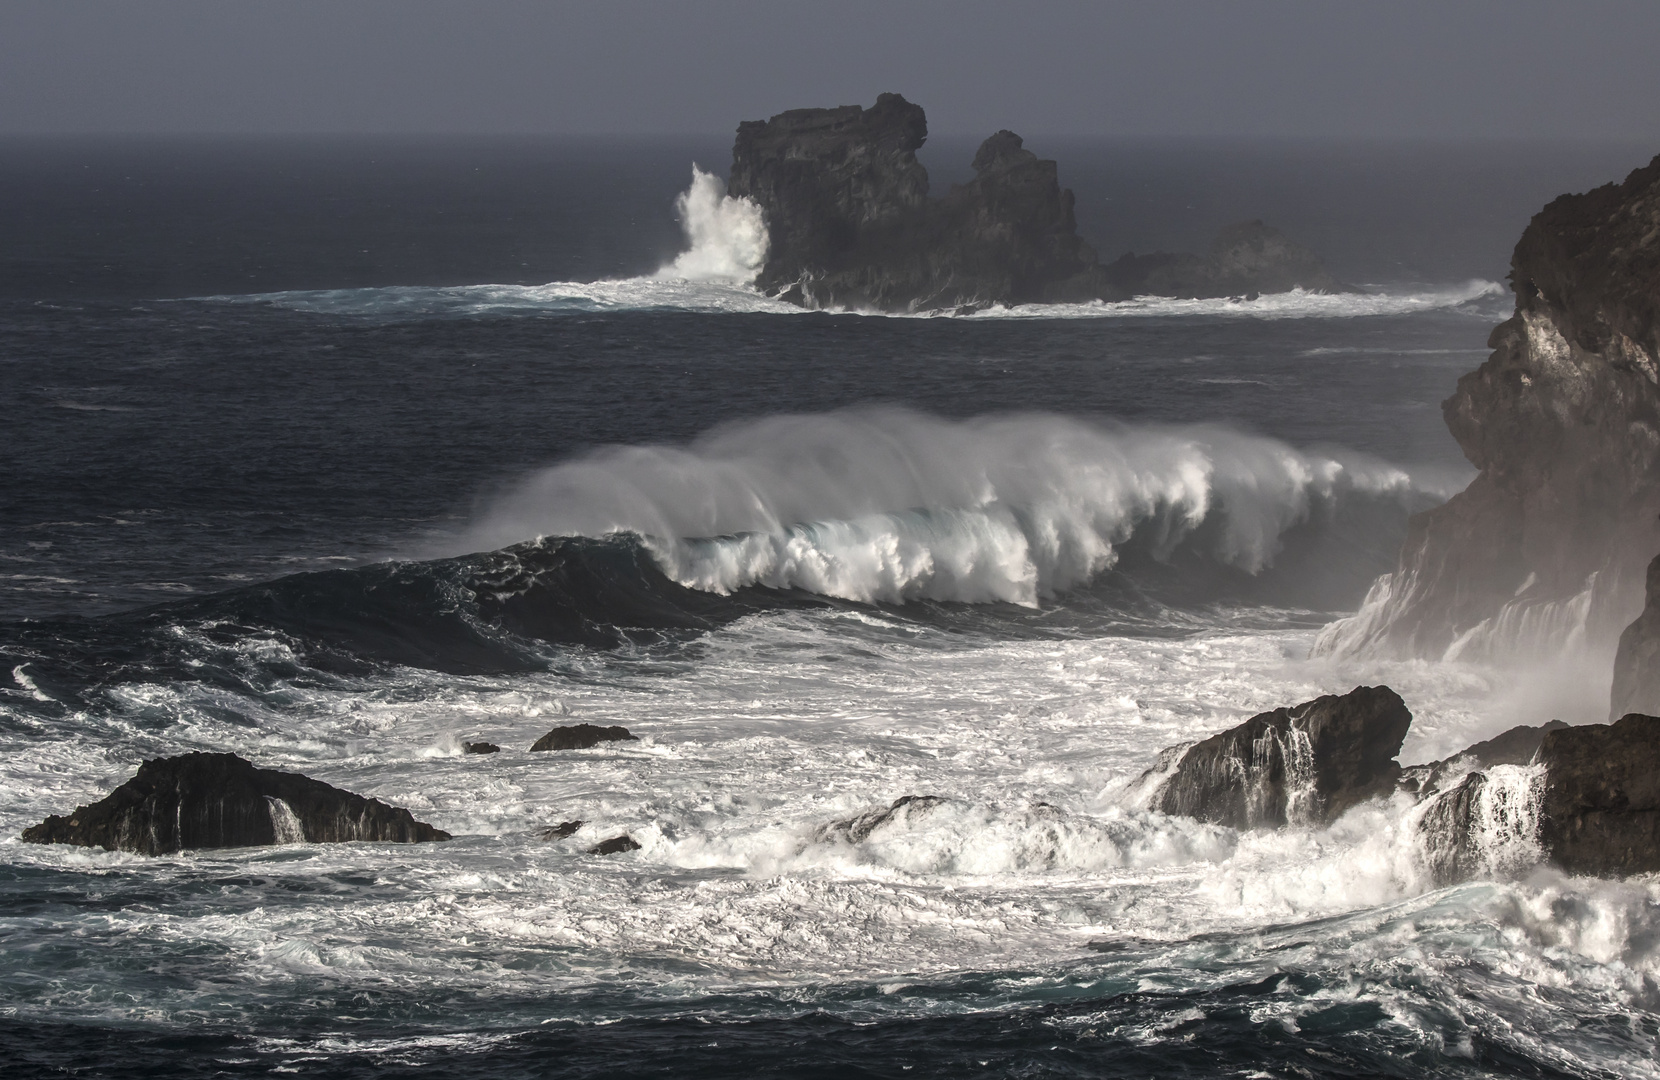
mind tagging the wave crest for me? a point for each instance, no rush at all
(889, 505)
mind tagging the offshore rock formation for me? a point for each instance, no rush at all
(850, 224)
(1588, 804)
(1304, 765)
(1516, 746)
(1637, 660)
(1244, 260)
(1546, 548)
(221, 800)
(581, 737)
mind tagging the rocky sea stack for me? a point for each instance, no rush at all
(221, 800)
(1549, 543)
(851, 224)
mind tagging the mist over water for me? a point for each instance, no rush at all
(500, 460)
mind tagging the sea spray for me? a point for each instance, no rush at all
(726, 237)
(889, 505)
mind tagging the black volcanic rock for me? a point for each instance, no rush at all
(1563, 422)
(221, 800)
(581, 737)
(1637, 659)
(850, 222)
(1592, 807)
(1600, 812)
(1517, 746)
(615, 845)
(1303, 765)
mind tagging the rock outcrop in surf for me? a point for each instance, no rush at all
(1589, 804)
(1547, 546)
(1303, 765)
(850, 224)
(581, 737)
(202, 800)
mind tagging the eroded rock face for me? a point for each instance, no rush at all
(1517, 746)
(1600, 810)
(221, 800)
(1637, 659)
(850, 223)
(581, 737)
(1563, 420)
(1304, 765)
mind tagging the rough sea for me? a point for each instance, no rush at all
(340, 454)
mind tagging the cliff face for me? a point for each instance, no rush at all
(1546, 548)
(850, 223)
(1637, 660)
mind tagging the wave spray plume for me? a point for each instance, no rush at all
(726, 238)
(889, 505)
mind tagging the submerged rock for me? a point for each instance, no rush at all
(857, 830)
(480, 748)
(562, 830)
(1637, 659)
(1304, 765)
(221, 800)
(850, 223)
(1552, 537)
(615, 845)
(581, 737)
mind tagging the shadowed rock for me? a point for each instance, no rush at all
(615, 845)
(581, 737)
(561, 830)
(1304, 765)
(480, 748)
(221, 800)
(850, 223)
(1516, 746)
(1600, 812)
(1637, 660)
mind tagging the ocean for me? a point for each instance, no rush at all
(339, 454)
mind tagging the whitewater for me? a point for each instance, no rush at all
(817, 563)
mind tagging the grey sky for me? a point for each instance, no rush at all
(1500, 68)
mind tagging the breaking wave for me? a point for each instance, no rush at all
(726, 237)
(891, 505)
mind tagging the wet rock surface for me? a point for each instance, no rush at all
(615, 846)
(480, 748)
(1600, 804)
(857, 830)
(1517, 746)
(221, 800)
(581, 737)
(1301, 765)
(562, 830)
(851, 224)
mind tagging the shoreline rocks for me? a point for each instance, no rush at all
(1302, 765)
(203, 800)
(850, 223)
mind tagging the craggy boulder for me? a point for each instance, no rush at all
(1600, 808)
(581, 737)
(220, 800)
(1304, 765)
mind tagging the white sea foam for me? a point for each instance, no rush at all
(885, 504)
(726, 237)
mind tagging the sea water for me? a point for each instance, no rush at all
(339, 457)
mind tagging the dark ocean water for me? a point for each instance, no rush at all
(285, 420)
